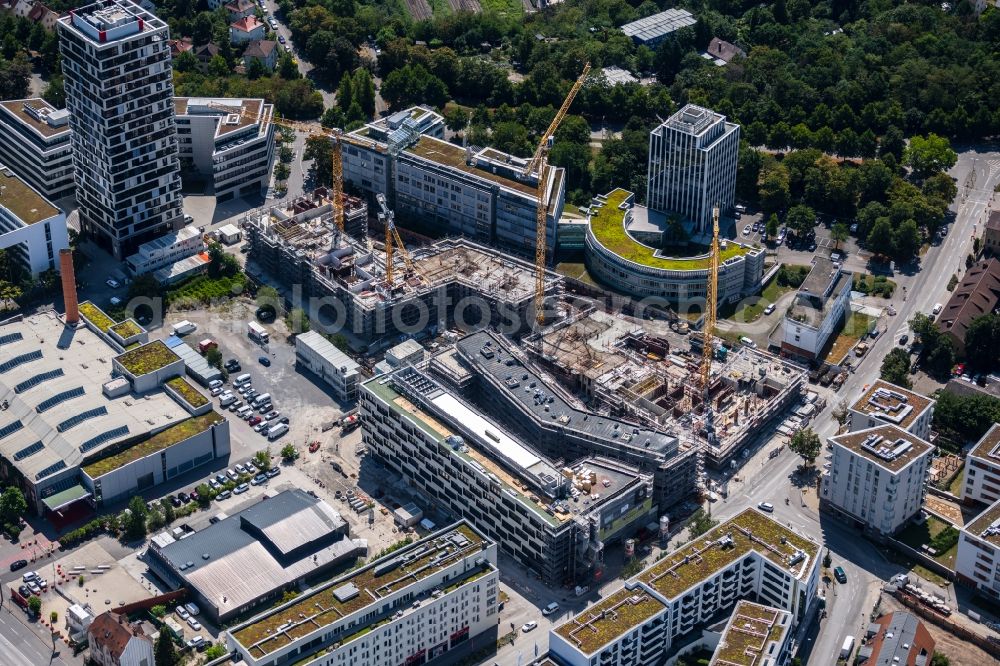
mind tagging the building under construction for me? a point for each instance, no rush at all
(623, 370)
(503, 380)
(342, 279)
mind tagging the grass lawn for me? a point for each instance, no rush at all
(857, 325)
(439, 7)
(929, 575)
(747, 310)
(577, 271)
(916, 536)
(955, 487)
(503, 7)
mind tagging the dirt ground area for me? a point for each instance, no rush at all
(958, 651)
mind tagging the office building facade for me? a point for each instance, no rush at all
(692, 165)
(32, 229)
(119, 94)
(35, 144)
(982, 469)
(977, 563)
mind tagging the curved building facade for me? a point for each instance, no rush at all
(615, 256)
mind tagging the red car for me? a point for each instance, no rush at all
(254, 421)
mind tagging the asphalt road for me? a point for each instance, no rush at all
(20, 646)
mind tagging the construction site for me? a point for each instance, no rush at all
(378, 289)
(627, 369)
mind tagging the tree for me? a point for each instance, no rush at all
(345, 93)
(965, 418)
(841, 412)
(256, 69)
(215, 651)
(165, 652)
(297, 321)
(287, 68)
(135, 520)
(54, 93)
(282, 172)
(801, 219)
(220, 263)
(937, 353)
(318, 150)
(262, 459)
(35, 605)
(906, 241)
(940, 659)
(214, 357)
(218, 67)
(896, 367)
(929, 155)
(805, 444)
(159, 610)
(53, 617)
(827, 560)
(700, 523)
(982, 344)
(364, 91)
(456, 118)
(12, 505)
(772, 225)
(168, 512)
(204, 495)
(880, 238)
(839, 233)
(289, 452)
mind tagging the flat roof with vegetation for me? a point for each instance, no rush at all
(190, 394)
(311, 612)
(751, 629)
(158, 442)
(710, 553)
(23, 202)
(610, 618)
(96, 316)
(147, 358)
(126, 329)
(608, 225)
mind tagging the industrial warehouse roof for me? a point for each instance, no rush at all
(892, 404)
(52, 377)
(195, 363)
(749, 531)
(252, 553)
(360, 589)
(656, 26)
(484, 351)
(319, 344)
(22, 201)
(886, 445)
(607, 223)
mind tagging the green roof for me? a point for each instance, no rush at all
(96, 316)
(751, 629)
(65, 497)
(608, 619)
(608, 225)
(314, 611)
(158, 442)
(705, 556)
(190, 394)
(127, 329)
(147, 358)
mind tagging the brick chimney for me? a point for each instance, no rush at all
(69, 286)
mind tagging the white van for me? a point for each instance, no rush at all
(241, 380)
(748, 342)
(277, 431)
(184, 327)
(244, 412)
(226, 399)
(261, 399)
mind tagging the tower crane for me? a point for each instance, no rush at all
(388, 218)
(336, 159)
(708, 330)
(539, 164)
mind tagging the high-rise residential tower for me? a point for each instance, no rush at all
(692, 165)
(119, 93)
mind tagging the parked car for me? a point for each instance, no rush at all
(254, 420)
(195, 641)
(184, 497)
(240, 489)
(220, 478)
(215, 383)
(175, 501)
(281, 39)
(273, 472)
(271, 415)
(182, 613)
(33, 587)
(550, 609)
(192, 608)
(262, 426)
(840, 575)
(265, 408)
(232, 474)
(283, 419)
(528, 626)
(251, 468)
(746, 230)
(194, 624)
(264, 361)
(232, 365)
(769, 309)
(903, 339)
(18, 564)
(193, 495)
(215, 485)
(112, 283)
(259, 479)
(240, 469)
(24, 591)
(225, 494)
(766, 506)
(216, 391)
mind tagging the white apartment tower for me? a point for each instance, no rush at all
(876, 477)
(692, 165)
(119, 93)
